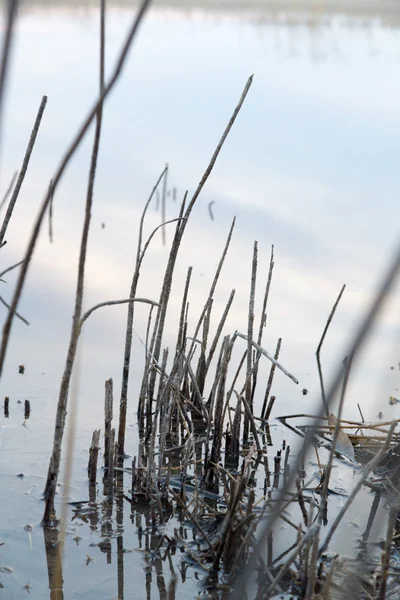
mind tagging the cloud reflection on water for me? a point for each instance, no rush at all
(309, 167)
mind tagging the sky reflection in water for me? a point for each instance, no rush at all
(310, 166)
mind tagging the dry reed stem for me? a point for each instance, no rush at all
(20, 317)
(250, 326)
(108, 416)
(318, 353)
(267, 355)
(51, 212)
(8, 190)
(234, 380)
(54, 465)
(24, 168)
(182, 319)
(93, 456)
(158, 330)
(266, 408)
(11, 268)
(59, 172)
(328, 470)
(111, 459)
(163, 205)
(219, 330)
(11, 16)
(114, 303)
(263, 318)
(250, 417)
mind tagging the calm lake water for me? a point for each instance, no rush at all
(311, 166)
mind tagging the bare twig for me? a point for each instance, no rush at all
(24, 168)
(318, 353)
(16, 314)
(11, 268)
(8, 190)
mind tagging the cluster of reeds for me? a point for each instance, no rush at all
(202, 445)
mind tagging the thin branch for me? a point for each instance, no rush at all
(24, 168)
(321, 379)
(8, 190)
(11, 268)
(16, 314)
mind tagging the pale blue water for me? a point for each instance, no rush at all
(310, 166)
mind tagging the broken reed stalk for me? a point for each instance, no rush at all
(250, 325)
(59, 172)
(108, 415)
(160, 319)
(269, 356)
(8, 190)
(12, 10)
(377, 302)
(318, 353)
(24, 168)
(54, 466)
(111, 457)
(93, 456)
(266, 409)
